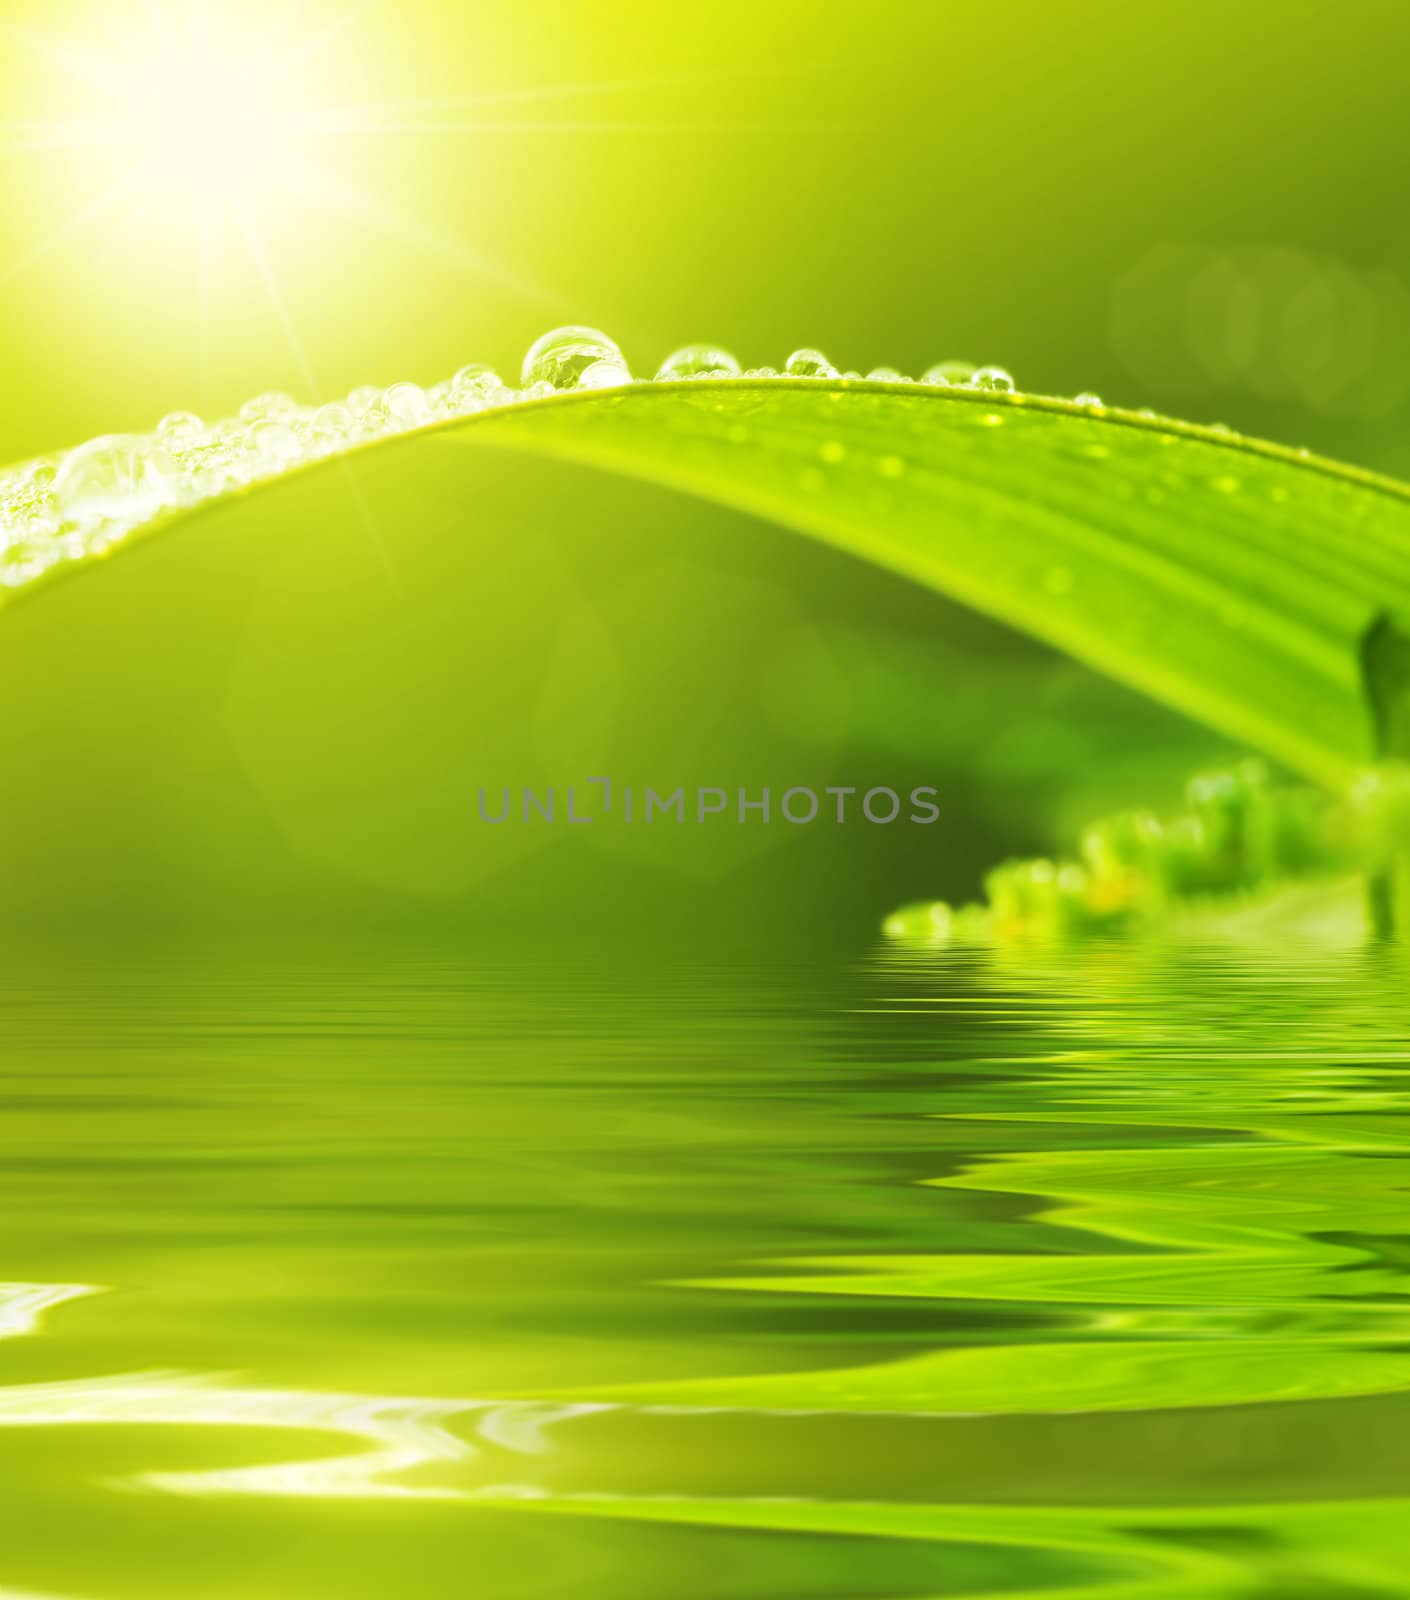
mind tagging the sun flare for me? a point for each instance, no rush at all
(212, 135)
(208, 117)
(200, 158)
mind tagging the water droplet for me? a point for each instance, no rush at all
(698, 360)
(53, 510)
(275, 442)
(1092, 401)
(268, 405)
(946, 373)
(27, 508)
(809, 364)
(368, 405)
(333, 426)
(994, 378)
(181, 428)
(604, 375)
(114, 477)
(407, 405)
(472, 386)
(563, 357)
(1227, 485)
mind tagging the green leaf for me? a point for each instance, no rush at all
(1233, 580)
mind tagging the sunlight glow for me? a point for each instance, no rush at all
(197, 157)
(206, 113)
(208, 118)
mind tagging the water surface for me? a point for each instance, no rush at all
(919, 1276)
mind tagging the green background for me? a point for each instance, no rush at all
(280, 718)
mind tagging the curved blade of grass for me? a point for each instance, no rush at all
(1230, 579)
(1234, 582)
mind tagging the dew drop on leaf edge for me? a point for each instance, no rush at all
(698, 360)
(948, 373)
(808, 363)
(112, 476)
(564, 358)
(995, 379)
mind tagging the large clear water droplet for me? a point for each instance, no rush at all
(472, 386)
(115, 478)
(275, 442)
(369, 408)
(333, 426)
(407, 405)
(949, 373)
(565, 357)
(993, 378)
(181, 428)
(698, 360)
(809, 364)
